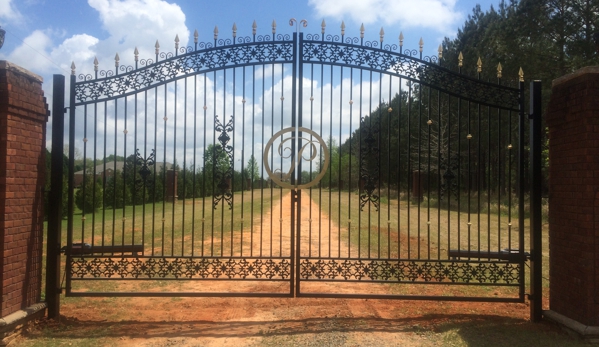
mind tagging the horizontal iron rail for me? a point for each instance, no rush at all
(178, 294)
(509, 255)
(410, 297)
(85, 248)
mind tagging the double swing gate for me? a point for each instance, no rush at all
(295, 165)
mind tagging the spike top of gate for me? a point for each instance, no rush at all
(292, 22)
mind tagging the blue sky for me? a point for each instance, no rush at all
(46, 36)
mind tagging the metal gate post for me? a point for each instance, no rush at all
(536, 179)
(55, 205)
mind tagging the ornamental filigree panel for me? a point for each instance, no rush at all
(92, 89)
(421, 71)
(183, 268)
(410, 271)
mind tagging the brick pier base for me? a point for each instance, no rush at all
(23, 117)
(573, 121)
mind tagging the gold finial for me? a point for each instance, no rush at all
(382, 34)
(421, 44)
(157, 46)
(234, 30)
(460, 59)
(362, 31)
(521, 75)
(274, 26)
(195, 36)
(479, 65)
(390, 110)
(430, 122)
(254, 27)
(440, 50)
(96, 63)
(499, 70)
(322, 26)
(342, 28)
(116, 60)
(136, 54)
(73, 68)
(216, 32)
(401, 38)
(177, 42)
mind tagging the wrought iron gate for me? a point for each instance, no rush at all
(295, 165)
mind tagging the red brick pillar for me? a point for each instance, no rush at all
(23, 116)
(573, 121)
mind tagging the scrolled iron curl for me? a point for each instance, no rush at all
(166, 55)
(410, 52)
(312, 37)
(85, 77)
(126, 68)
(224, 42)
(283, 37)
(390, 47)
(371, 44)
(146, 62)
(263, 38)
(352, 40)
(431, 59)
(244, 39)
(106, 73)
(185, 50)
(333, 38)
(205, 45)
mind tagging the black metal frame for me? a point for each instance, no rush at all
(134, 91)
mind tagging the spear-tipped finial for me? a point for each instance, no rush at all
(195, 36)
(479, 65)
(254, 27)
(342, 28)
(216, 32)
(382, 34)
(460, 59)
(521, 75)
(177, 42)
(274, 26)
(323, 25)
(116, 60)
(440, 51)
(499, 68)
(73, 68)
(234, 29)
(96, 63)
(401, 38)
(362, 31)
(136, 54)
(157, 46)
(421, 44)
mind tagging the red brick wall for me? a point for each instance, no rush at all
(573, 121)
(23, 116)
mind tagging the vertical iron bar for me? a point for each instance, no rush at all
(296, 70)
(55, 209)
(521, 184)
(536, 179)
(71, 182)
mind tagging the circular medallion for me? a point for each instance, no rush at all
(307, 144)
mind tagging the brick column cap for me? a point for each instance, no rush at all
(576, 74)
(7, 65)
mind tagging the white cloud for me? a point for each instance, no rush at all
(8, 12)
(439, 15)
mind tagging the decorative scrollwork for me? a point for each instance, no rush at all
(109, 87)
(449, 166)
(222, 163)
(145, 170)
(180, 267)
(411, 271)
(369, 162)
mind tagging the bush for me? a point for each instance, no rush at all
(89, 196)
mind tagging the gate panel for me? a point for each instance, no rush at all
(420, 189)
(171, 185)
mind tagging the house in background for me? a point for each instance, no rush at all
(104, 171)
